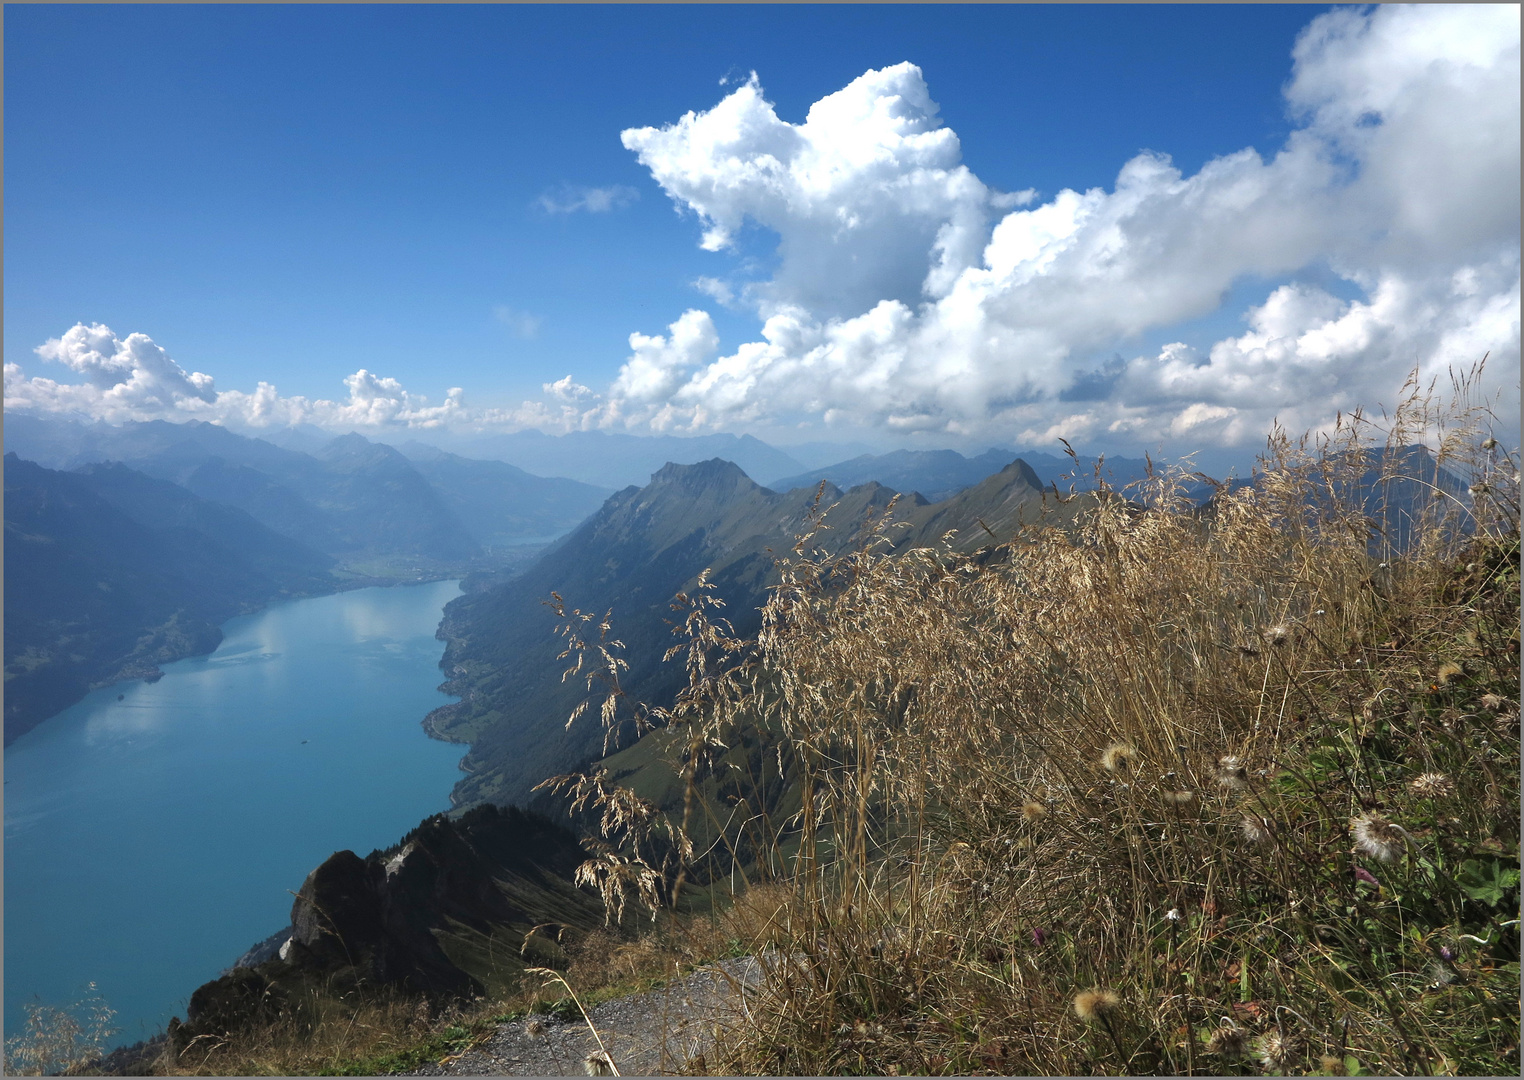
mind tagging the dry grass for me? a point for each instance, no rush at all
(1171, 792)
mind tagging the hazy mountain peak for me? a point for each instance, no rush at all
(703, 477)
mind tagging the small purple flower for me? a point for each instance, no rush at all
(1362, 874)
(1446, 953)
(1039, 936)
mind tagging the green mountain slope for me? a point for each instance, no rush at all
(631, 558)
(109, 573)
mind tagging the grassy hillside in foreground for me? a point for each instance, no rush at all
(1173, 793)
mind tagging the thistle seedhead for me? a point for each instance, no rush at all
(1377, 838)
(1232, 773)
(535, 1029)
(1094, 1004)
(1256, 830)
(1229, 1041)
(598, 1063)
(1033, 811)
(1448, 673)
(1493, 702)
(1274, 1050)
(1277, 635)
(1432, 785)
(1118, 755)
(1179, 798)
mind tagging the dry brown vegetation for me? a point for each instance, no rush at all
(1171, 791)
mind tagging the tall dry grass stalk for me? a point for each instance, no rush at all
(1172, 790)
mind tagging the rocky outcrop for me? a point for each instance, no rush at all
(407, 919)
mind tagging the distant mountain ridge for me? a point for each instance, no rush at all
(632, 557)
(378, 512)
(940, 474)
(500, 503)
(614, 459)
(109, 573)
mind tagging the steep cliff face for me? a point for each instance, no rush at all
(443, 913)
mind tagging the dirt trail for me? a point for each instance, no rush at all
(663, 1032)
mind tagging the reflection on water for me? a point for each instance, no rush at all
(150, 841)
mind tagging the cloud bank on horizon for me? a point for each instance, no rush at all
(911, 298)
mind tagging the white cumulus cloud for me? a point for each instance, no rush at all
(133, 378)
(909, 296)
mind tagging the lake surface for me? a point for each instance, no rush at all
(150, 841)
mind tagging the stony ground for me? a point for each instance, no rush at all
(664, 1032)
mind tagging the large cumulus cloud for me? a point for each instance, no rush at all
(910, 296)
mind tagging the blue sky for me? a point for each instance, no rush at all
(441, 197)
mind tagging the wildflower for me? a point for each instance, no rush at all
(1256, 830)
(1096, 1004)
(1032, 811)
(1432, 785)
(1039, 936)
(535, 1029)
(1117, 755)
(1231, 773)
(1362, 874)
(1377, 838)
(1274, 1050)
(1179, 798)
(1228, 1041)
(599, 1063)
(1448, 673)
(1446, 953)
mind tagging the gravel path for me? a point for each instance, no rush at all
(660, 1033)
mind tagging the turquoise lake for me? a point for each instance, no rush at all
(150, 840)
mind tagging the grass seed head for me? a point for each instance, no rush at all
(1094, 1004)
(1377, 838)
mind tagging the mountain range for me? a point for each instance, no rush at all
(939, 474)
(110, 572)
(631, 558)
(380, 514)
